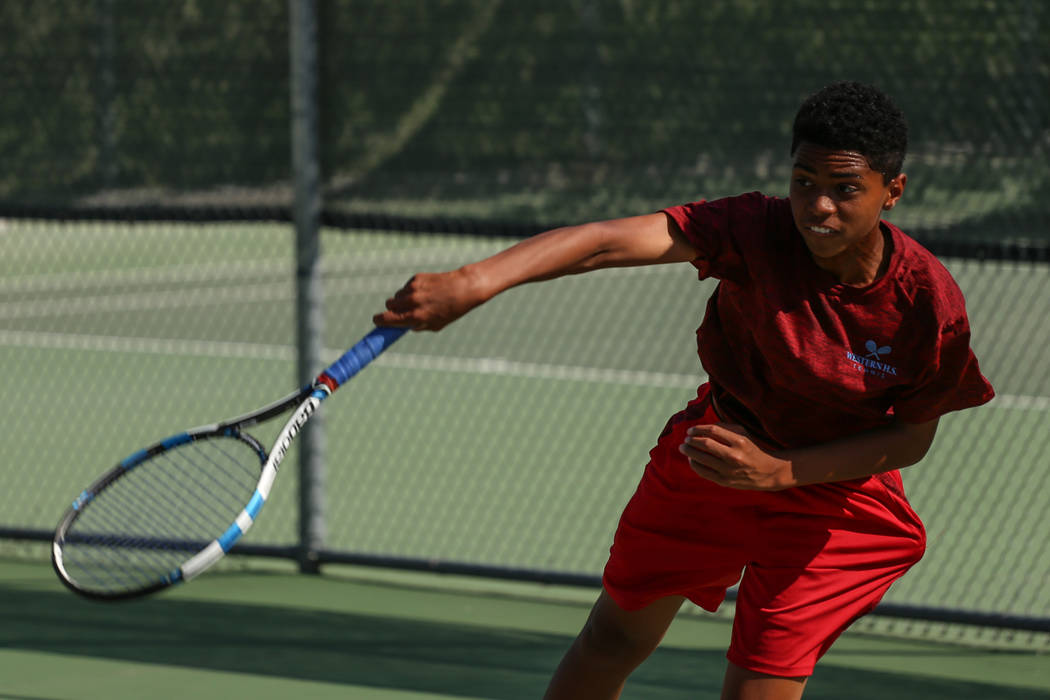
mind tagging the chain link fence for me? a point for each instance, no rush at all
(144, 217)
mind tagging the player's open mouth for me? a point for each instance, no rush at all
(821, 230)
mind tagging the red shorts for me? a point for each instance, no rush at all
(810, 560)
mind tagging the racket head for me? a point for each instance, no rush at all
(170, 511)
(131, 532)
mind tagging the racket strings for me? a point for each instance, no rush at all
(228, 482)
(192, 516)
(145, 524)
(111, 568)
(141, 510)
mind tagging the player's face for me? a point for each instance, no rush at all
(837, 201)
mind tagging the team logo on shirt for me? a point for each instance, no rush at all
(870, 362)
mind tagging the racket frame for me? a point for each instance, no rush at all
(305, 402)
(231, 428)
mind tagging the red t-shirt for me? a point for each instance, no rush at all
(799, 358)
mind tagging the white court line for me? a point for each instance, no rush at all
(481, 366)
(1021, 402)
(332, 266)
(278, 290)
(142, 301)
(145, 346)
(258, 351)
(235, 270)
(532, 370)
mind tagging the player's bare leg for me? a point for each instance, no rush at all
(742, 684)
(613, 643)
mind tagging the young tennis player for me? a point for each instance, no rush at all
(833, 344)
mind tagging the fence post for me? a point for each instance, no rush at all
(105, 89)
(309, 298)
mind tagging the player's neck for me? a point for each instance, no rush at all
(862, 263)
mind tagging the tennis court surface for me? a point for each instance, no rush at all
(511, 439)
(357, 634)
(560, 369)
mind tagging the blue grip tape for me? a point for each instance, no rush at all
(364, 351)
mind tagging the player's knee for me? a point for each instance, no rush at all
(613, 643)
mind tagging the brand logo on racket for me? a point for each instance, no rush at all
(292, 429)
(83, 499)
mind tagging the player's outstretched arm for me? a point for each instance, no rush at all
(431, 301)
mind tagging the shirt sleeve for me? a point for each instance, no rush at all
(952, 380)
(719, 230)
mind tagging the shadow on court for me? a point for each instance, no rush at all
(386, 652)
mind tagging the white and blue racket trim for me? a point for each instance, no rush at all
(218, 547)
(339, 372)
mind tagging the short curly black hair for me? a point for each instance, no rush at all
(853, 116)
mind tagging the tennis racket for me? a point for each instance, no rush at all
(168, 512)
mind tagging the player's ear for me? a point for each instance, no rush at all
(894, 190)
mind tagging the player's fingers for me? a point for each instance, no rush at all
(706, 459)
(400, 304)
(397, 320)
(734, 429)
(702, 445)
(727, 433)
(409, 293)
(406, 292)
(411, 317)
(707, 472)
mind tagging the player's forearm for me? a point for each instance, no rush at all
(545, 256)
(431, 301)
(873, 452)
(641, 240)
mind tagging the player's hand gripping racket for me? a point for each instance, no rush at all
(171, 510)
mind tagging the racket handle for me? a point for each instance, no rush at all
(356, 358)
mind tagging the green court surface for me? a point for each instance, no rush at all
(361, 634)
(511, 439)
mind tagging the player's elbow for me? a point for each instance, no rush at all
(916, 440)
